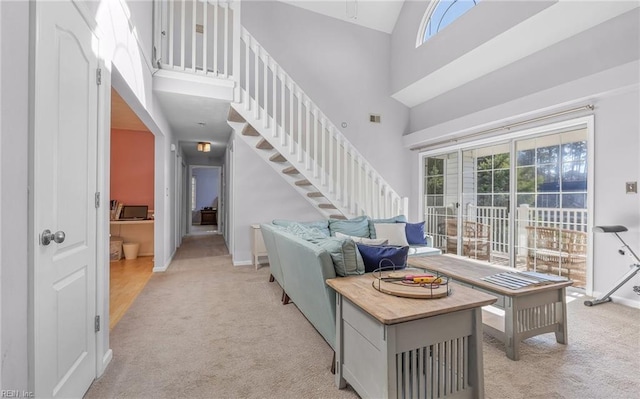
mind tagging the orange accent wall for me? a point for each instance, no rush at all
(132, 164)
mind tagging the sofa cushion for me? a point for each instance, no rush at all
(322, 225)
(383, 256)
(415, 233)
(363, 240)
(394, 233)
(395, 219)
(353, 227)
(304, 232)
(344, 254)
(423, 250)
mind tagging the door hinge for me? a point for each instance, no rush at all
(97, 200)
(98, 76)
(97, 323)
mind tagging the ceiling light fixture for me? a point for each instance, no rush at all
(204, 147)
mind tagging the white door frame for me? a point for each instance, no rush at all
(189, 199)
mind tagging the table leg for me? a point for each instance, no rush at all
(340, 381)
(512, 343)
(561, 330)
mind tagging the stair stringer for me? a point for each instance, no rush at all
(266, 133)
(265, 154)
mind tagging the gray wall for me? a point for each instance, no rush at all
(14, 108)
(260, 194)
(344, 68)
(478, 25)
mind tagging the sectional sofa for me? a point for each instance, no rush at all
(302, 256)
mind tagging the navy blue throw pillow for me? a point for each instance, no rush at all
(376, 256)
(415, 233)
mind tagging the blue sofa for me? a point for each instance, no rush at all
(301, 264)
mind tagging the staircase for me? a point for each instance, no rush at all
(274, 115)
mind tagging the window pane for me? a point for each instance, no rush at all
(435, 166)
(445, 13)
(546, 155)
(574, 176)
(548, 201)
(484, 182)
(484, 163)
(484, 200)
(576, 151)
(574, 201)
(526, 157)
(526, 179)
(501, 161)
(501, 200)
(435, 185)
(548, 178)
(526, 199)
(501, 181)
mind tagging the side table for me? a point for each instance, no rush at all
(258, 248)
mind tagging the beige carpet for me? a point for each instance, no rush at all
(206, 329)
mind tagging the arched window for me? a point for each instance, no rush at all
(441, 13)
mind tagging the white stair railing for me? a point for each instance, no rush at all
(204, 37)
(311, 142)
(196, 36)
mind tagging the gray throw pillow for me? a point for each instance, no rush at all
(352, 227)
(346, 258)
(395, 219)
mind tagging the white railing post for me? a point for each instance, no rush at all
(256, 83)
(332, 179)
(522, 220)
(266, 92)
(226, 41)
(247, 66)
(216, 39)
(171, 31)
(307, 157)
(321, 167)
(205, 34)
(299, 115)
(194, 8)
(274, 111)
(292, 142)
(283, 108)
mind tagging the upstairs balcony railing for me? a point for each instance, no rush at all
(196, 36)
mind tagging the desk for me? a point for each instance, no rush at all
(528, 311)
(393, 347)
(140, 231)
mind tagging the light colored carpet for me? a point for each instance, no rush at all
(206, 329)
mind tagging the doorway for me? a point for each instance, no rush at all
(132, 186)
(204, 199)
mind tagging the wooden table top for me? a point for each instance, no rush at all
(471, 271)
(389, 309)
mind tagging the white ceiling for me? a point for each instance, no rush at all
(375, 14)
(194, 119)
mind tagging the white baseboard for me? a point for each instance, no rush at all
(243, 263)
(165, 266)
(106, 359)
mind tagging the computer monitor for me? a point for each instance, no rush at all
(134, 212)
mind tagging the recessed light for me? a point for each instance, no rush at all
(202, 124)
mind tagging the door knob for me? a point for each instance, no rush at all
(47, 236)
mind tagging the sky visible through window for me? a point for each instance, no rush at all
(445, 12)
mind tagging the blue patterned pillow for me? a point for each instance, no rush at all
(415, 233)
(387, 256)
(321, 225)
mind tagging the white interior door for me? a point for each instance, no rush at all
(64, 185)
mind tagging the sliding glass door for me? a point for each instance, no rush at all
(521, 202)
(440, 200)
